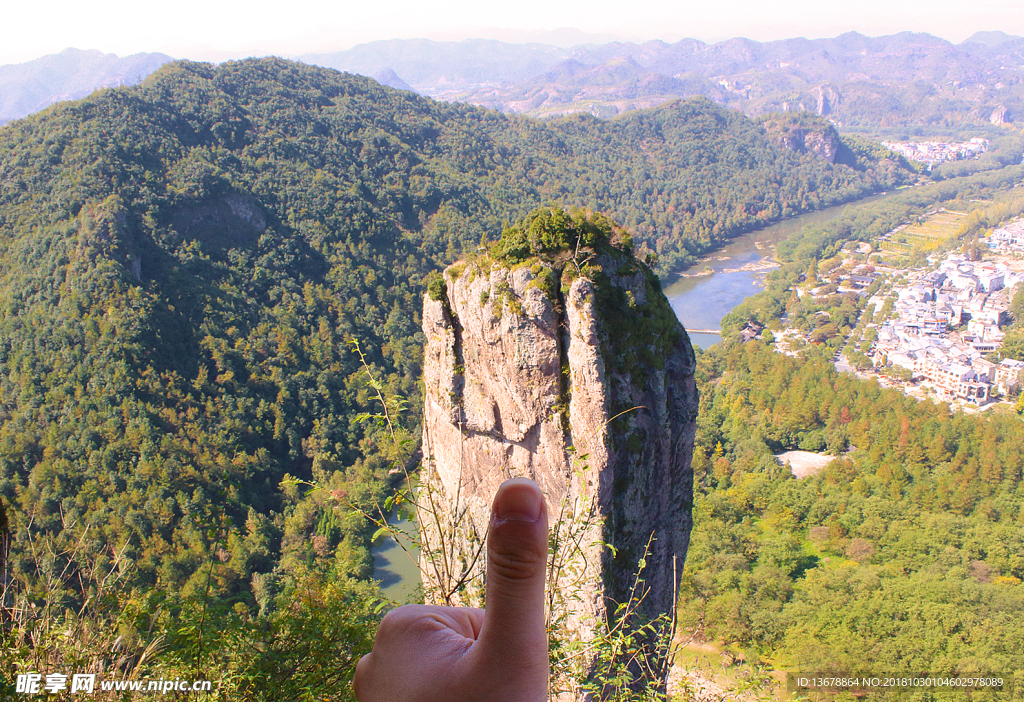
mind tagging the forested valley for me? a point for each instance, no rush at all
(186, 267)
(905, 555)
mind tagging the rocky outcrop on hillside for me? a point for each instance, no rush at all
(801, 134)
(827, 99)
(221, 221)
(563, 362)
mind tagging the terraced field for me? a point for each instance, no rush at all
(934, 229)
(924, 235)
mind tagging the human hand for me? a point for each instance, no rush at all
(454, 654)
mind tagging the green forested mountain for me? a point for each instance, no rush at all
(183, 264)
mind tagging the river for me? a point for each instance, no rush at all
(707, 291)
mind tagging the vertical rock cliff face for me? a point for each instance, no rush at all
(557, 357)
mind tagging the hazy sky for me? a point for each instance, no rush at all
(200, 28)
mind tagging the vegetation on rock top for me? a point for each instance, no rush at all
(555, 235)
(639, 329)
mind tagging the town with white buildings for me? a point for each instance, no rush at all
(1008, 238)
(943, 325)
(936, 152)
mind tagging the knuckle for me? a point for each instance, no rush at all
(397, 620)
(514, 563)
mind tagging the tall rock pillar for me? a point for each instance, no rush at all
(556, 356)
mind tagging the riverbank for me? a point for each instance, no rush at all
(704, 293)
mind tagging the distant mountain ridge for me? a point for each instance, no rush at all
(990, 38)
(434, 67)
(903, 80)
(72, 74)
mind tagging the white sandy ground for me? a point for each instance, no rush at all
(701, 683)
(695, 682)
(804, 463)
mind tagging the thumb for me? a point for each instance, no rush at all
(517, 550)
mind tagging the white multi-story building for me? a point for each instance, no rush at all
(1008, 238)
(1008, 375)
(954, 380)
